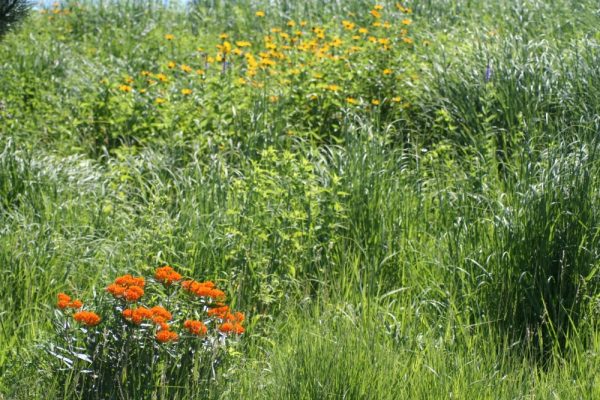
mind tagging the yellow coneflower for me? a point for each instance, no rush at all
(169, 36)
(406, 21)
(160, 100)
(260, 14)
(186, 92)
(351, 100)
(125, 88)
(375, 13)
(186, 68)
(375, 102)
(387, 71)
(171, 65)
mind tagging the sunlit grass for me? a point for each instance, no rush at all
(418, 221)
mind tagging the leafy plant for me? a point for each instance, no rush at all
(165, 335)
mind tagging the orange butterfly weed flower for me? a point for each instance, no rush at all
(195, 327)
(218, 312)
(127, 287)
(138, 315)
(87, 318)
(133, 293)
(203, 289)
(157, 314)
(76, 304)
(160, 315)
(231, 327)
(167, 275)
(165, 335)
(64, 301)
(233, 323)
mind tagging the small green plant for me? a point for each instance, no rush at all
(165, 335)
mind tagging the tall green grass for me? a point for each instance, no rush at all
(448, 254)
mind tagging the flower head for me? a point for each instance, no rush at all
(167, 275)
(165, 335)
(64, 301)
(195, 327)
(87, 318)
(203, 289)
(127, 287)
(231, 327)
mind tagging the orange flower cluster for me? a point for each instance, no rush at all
(203, 289)
(167, 275)
(64, 301)
(233, 322)
(220, 311)
(164, 336)
(87, 318)
(157, 314)
(127, 287)
(195, 327)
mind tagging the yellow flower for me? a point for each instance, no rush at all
(125, 88)
(375, 13)
(225, 48)
(375, 102)
(160, 100)
(223, 36)
(364, 31)
(387, 71)
(186, 68)
(406, 21)
(351, 100)
(396, 99)
(291, 24)
(169, 36)
(378, 7)
(407, 40)
(171, 65)
(260, 14)
(186, 92)
(333, 88)
(243, 43)
(348, 25)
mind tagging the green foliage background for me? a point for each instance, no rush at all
(445, 248)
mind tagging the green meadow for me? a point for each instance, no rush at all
(403, 198)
